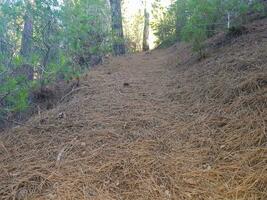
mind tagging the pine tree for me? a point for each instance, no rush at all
(26, 44)
(116, 17)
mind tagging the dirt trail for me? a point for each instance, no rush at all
(156, 125)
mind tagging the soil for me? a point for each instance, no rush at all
(160, 126)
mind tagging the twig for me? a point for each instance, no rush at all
(3, 146)
(72, 91)
(23, 124)
(60, 155)
(65, 148)
(19, 123)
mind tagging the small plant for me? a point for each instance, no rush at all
(15, 94)
(196, 36)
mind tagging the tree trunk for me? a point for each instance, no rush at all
(26, 46)
(116, 17)
(146, 31)
(26, 41)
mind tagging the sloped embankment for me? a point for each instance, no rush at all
(157, 125)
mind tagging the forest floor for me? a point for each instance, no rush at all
(154, 125)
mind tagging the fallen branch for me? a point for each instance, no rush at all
(3, 146)
(26, 125)
(71, 92)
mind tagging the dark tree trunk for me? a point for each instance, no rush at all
(146, 31)
(116, 17)
(26, 46)
(26, 41)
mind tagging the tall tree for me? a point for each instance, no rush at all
(116, 18)
(26, 41)
(146, 29)
(26, 44)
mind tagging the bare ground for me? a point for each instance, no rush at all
(156, 125)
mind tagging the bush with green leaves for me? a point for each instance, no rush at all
(194, 22)
(14, 94)
(62, 39)
(85, 30)
(163, 24)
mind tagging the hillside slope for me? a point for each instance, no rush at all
(157, 125)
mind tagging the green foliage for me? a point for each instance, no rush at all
(194, 22)
(85, 29)
(133, 31)
(17, 60)
(164, 25)
(14, 94)
(64, 33)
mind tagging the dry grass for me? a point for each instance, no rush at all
(195, 131)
